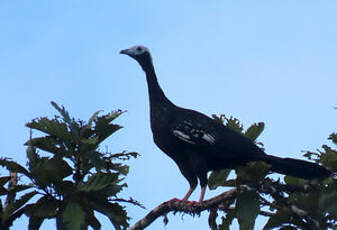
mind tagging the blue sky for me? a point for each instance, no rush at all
(271, 61)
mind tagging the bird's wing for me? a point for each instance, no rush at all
(194, 134)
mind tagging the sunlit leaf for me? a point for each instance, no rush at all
(104, 183)
(93, 118)
(217, 178)
(234, 124)
(254, 131)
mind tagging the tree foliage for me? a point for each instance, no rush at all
(292, 204)
(68, 175)
(69, 179)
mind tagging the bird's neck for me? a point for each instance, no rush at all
(156, 94)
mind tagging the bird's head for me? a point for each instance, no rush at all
(141, 54)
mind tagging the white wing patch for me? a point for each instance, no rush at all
(193, 134)
(209, 138)
(182, 136)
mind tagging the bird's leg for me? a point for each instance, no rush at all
(202, 194)
(188, 194)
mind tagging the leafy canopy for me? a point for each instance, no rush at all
(69, 174)
(293, 204)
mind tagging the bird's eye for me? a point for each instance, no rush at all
(139, 49)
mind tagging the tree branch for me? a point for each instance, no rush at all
(221, 201)
(12, 183)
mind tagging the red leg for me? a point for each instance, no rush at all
(188, 194)
(202, 194)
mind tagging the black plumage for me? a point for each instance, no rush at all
(199, 144)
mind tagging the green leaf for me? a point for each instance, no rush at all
(64, 113)
(103, 128)
(106, 183)
(295, 181)
(122, 169)
(123, 156)
(329, 158)
(49, 144)
(13, 166)
(282, 216)
(73, 126)
(53, 127)
(4, 180)
(252, 172)
(59, 222)
(45, 207)
(328, 202)
(217, 178)
(234, 124)
(53, 170)
(35, 223)
(3, 191)
(247, 208)
(254, 131)
(17, 204)
(333, 137)
(19, 188)
(227, 221)
(117, 215)
(105, 131)
(93, 118)
(96, 159)
(73, 216)
(92, 220)
(65, 187)
(221, 119)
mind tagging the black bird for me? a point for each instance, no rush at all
(199, 144)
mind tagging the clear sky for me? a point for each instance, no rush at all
(271, 61)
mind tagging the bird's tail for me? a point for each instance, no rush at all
(296, 168)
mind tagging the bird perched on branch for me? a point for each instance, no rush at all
(199, 144)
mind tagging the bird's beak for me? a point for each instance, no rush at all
(124, 51)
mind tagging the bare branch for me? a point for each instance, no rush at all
(221, 201)
(12, 183)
